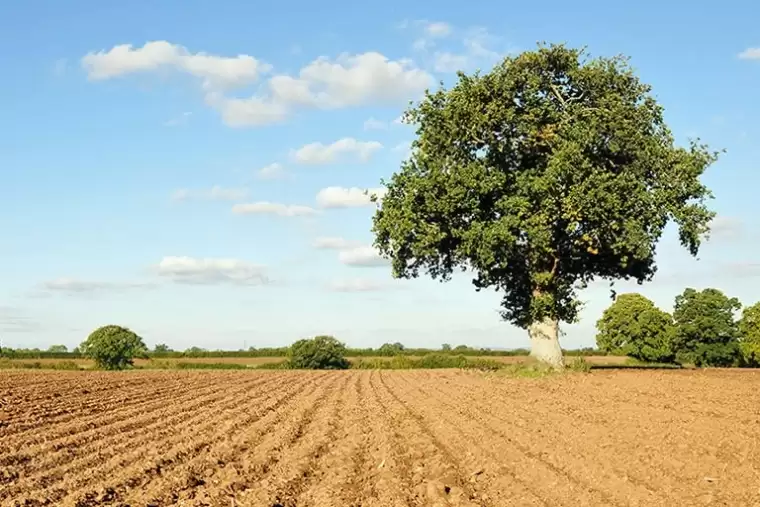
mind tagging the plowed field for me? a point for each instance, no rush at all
(379, 438)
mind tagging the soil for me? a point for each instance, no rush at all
(379, 438)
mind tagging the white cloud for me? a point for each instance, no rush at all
(341, 197)
(362, 256)
(189, 270)
(318, 153)
(216, 71)
(438, 29)
(750, 54)
(215, 193)
(272, 208)
(72, 285)
(333, 243)
(179, 120)
(373, 124)
(358, 285)
(346, 81)
(271, 172)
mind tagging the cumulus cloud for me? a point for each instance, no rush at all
(75, 286)
(215, 193)
(358, 285)
(333, 243)
(193, 271)
(750, 54)
(362, 256)
(271, 172)
(341, 197)
(273, 208)
(346, 81)
(347, 148)
(215, 71)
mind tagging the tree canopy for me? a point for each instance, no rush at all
(549, 171)
(318, 353)
(706, 329)
(749, 335)
(634, 326)
(113, 347)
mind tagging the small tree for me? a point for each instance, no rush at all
(390, 349)
(161, 348)
(113, 347)
(706, 331)
(634, 326)
(548, 172)
(58, 349)
(446, 347)
(318, 353)
(749, 336)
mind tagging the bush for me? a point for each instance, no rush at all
(430, 361)
(318, 353)
(113, 347)
(749, 336)
(580, 364)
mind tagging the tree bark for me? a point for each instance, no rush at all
(544, 343)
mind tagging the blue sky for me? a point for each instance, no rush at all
(192, 169)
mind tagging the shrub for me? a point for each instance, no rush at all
(580, 364)
(318, 353)
(113, 347)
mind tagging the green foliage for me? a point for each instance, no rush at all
(540, 176)
(390, 349)
(749, 336)
(635, 327)
(58, 349)
(318, 353)
(7, 364)
(580, 364)
(430, 361)
(706, 330)
(445, 347)
(113, 347)
(182, 365)
(161, 348)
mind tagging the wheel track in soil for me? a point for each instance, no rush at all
(337, 482)
(505, 484)
(90, 454)
(213, 484)
(446, 482)
(300, 460)
(530, 462)
(661, 479)
(164, 454)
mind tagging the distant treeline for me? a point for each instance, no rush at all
(387, 350)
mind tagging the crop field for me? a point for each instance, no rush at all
(379, 438)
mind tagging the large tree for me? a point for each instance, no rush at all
(538, 177)
(707, 332)
(634, 326)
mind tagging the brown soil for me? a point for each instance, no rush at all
(379, 438)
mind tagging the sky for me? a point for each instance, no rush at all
(195, 170)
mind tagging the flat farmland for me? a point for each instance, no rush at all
(379, 438)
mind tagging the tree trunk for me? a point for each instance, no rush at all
(544, 343)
